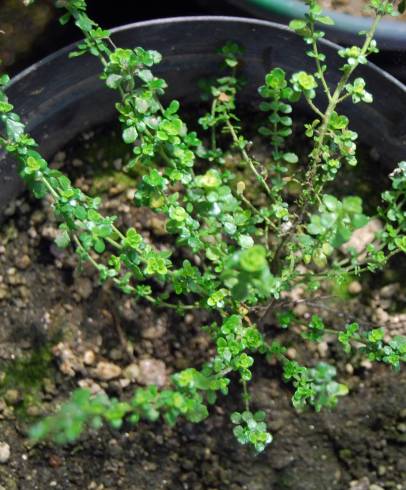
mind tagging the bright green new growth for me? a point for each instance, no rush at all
(252, 248)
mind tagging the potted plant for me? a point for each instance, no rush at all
(246, 234)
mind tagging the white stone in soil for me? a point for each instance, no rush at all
(152, 371)
(106, 371)
(4, 452)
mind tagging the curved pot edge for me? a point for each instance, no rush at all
(204, 18)
(391, 34)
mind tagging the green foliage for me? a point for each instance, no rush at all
(326, 389)
(316, 386)
(315, 330)
(250, 428)
(348, 335)
(337, 220)
(251, 242)
(392, 352)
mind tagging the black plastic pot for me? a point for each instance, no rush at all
(61, 97)
(391, 34)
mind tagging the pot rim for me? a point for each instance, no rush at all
(390, 33)
(183, 19)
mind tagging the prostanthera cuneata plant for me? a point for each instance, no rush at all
(252, 247)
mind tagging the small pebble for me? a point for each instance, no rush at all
(153, 332)
(189, 319)
(349, 368)
(3, 292)
(401, 427)
(152, 371)
(49, 386)
(362, 484)
(60, 157)
(12, 396)
(158, 226)
(118, 163)
(34, 410)
(300, 309)
(291, 353)
(390, 290)
(131, 372)
(381, 315)
(116, 354)
(124, 383)
(106, 371)
(366, 363)
(90, 384)
(23, 262)
(322, 348)
(84, 287)
(89, 357)
(354, 287)
(4, 452)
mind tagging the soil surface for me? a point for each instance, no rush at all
(59, 330)
(353, 7)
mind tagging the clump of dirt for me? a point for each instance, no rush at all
(69, 331)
